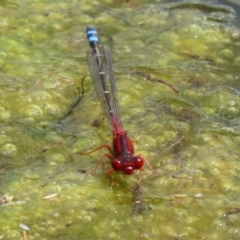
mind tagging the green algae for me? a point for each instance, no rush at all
(190, 138)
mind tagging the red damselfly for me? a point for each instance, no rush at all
(100, 67)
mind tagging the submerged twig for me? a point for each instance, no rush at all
(52, 145)
(178, 198)
(51, 197)
(216, 68)
(149, 78)
(236, 34)
(197, 57)
(24, 228)
(25, 235)
(76, 103)
(233, 211)
(175, 143)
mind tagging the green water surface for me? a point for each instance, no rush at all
(187, 129)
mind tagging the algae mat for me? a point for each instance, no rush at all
(177, 71)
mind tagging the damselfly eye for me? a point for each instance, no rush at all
(138, 163)
(117, 165)
(128, 170)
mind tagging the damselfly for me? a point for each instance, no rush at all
(100, 67)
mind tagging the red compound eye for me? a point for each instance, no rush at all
(138, 163)
(117, 165)
(128, 170)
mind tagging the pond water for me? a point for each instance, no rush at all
(186, 122)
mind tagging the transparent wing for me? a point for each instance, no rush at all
(101, 71)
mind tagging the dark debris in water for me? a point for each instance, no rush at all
(138, 206)
(98, 121)
(76, 103)
(231, 211)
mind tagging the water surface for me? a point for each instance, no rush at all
(188, 129)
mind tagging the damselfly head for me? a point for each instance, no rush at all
(127, 166)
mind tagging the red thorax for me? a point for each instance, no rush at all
(123, 154)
